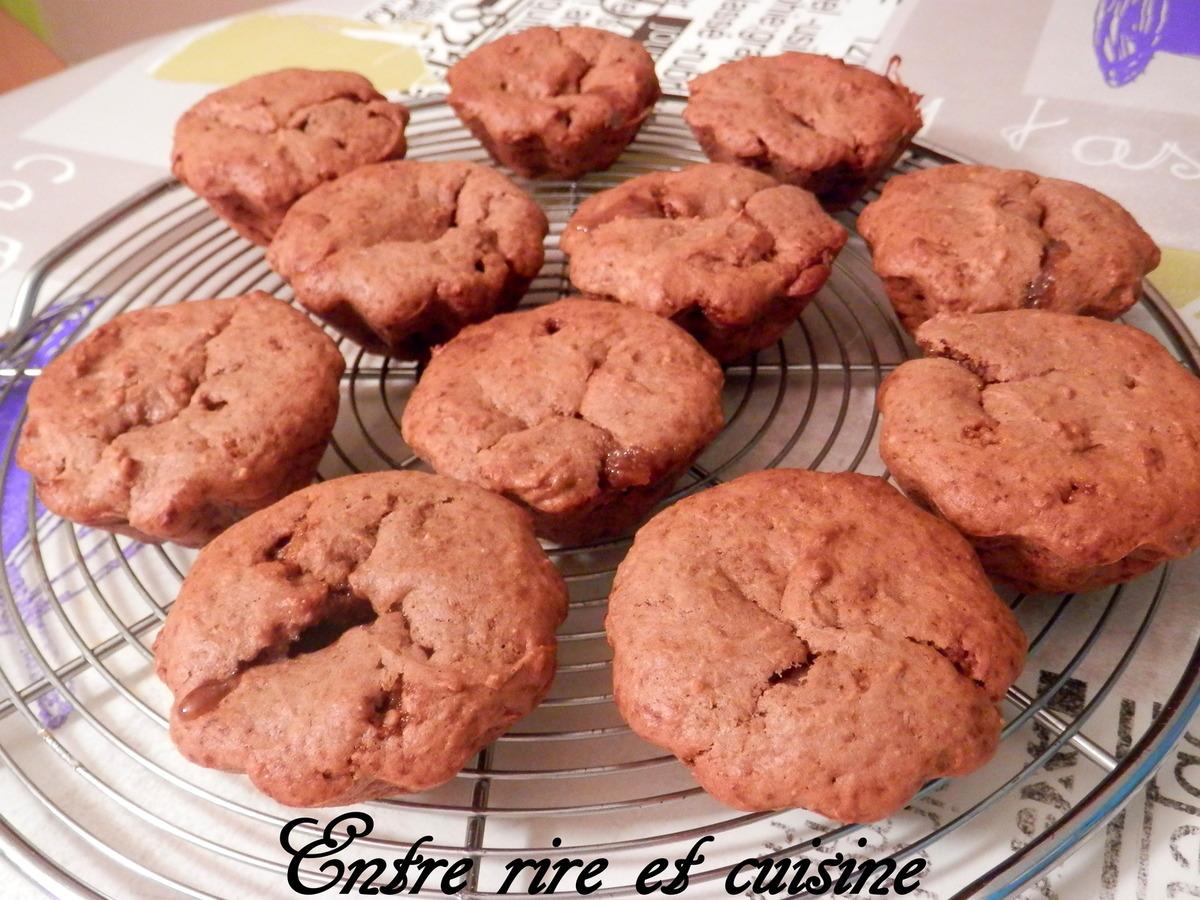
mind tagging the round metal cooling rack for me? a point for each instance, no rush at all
(101, 805)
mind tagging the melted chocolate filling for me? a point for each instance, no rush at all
(345, 610)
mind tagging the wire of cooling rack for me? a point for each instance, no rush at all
(80, 607)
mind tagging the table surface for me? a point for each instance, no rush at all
(87, 138)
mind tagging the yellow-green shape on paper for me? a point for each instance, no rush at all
(251, 45)
(1178, 276)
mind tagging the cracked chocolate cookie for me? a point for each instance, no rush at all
(806, 639)
(363, 637)
(730, 254)
(252, 149)
(583, 410)
(171, 423)
(805, 119)
(969, 239)
(1067, 449)
(555, 102)
(400, 255)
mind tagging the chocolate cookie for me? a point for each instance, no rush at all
(959, 239)
(809, 639)
(363, 637)
(806, 119)
(171, 423)
(401, 255)
(586, 411)
(1065, 448)
(557, 102)
(251, 150)
(730, 254)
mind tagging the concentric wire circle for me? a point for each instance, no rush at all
(83, 721)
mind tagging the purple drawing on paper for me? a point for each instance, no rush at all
(54, 330)
(1129, 32)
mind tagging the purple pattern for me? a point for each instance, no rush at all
(47, 337)
(1129, 32)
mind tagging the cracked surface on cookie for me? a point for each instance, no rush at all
(810, 639)
(805, 119)
(718, 248)
(401, 255)
(566, 405)
(1066, 448)
(960, 239)
(555, 101)
(170, 423)
(363, 637)
(253, 149)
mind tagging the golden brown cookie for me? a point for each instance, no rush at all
(585, 411)
(1067, 449)
(399, 256)
(254, 148)
(805, 119)
(555, 102)
(969, 239)
(171, 423)
(730, 254)
(809, 639)
(363, 637)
